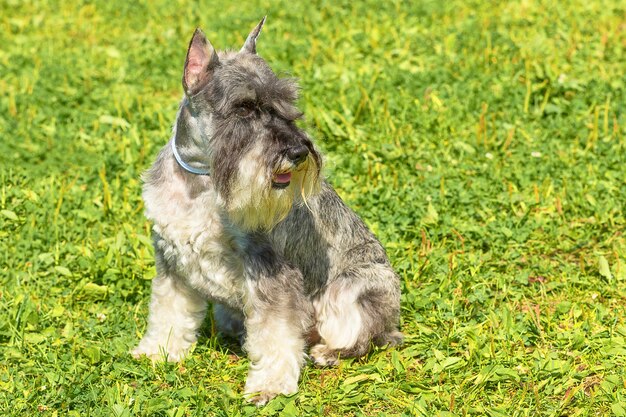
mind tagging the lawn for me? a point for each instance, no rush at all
(483, 142)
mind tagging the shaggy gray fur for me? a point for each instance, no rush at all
(285, 262)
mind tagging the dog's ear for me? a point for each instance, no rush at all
(250, 44)
(200, 62)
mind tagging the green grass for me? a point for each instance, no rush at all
(484, 143)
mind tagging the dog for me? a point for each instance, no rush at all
(243, 219)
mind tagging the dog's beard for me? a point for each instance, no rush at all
(254, 204)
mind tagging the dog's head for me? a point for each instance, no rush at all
(242, 118)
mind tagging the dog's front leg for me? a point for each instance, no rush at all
(277, 315)
(176, 313)
(275, 346)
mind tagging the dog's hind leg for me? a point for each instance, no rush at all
(176, 314)
(229, 322)
(358, 307)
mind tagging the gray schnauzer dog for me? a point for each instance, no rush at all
(243, 218)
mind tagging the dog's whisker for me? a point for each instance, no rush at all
(303, 193)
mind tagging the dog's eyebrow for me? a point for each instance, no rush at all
(242, 94)
(286, 110)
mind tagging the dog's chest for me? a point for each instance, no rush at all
(193, 243)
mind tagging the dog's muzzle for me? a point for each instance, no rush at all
(296, 155)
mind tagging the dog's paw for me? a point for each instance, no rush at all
(322, 355)
(260, 399)
(259, 392)
(391, 339)
(263, 397)
(157, 354)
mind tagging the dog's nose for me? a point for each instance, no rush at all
(298, 154)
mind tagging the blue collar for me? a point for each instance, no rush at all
(184, 165)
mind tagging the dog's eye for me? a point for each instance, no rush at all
(245, 109)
